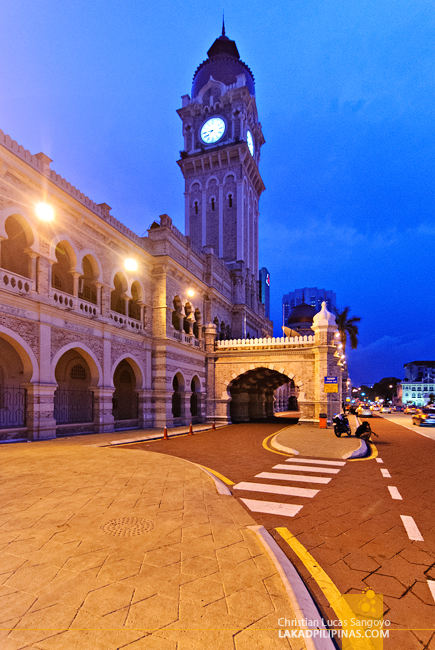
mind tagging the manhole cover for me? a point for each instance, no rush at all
(127, 526)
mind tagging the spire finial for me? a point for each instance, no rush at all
(223, 23)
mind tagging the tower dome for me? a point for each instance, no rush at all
(223, 64)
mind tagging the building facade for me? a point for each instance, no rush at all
(101, 329)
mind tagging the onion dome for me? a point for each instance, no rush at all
(324, 318)
(223, 64)
(302, 313)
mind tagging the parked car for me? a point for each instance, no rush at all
(424, 416)
(364, 412)
(386, 409)
(376, 408)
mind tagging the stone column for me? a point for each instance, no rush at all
(212, 405)
(40, 411)
(145, 409)
(76, 275)
(105, 301)
(33, 268)
(104, 422)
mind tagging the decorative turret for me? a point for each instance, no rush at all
(223, 64)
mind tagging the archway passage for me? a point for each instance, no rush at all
(73, 398)
(252, 394)
(125, 398)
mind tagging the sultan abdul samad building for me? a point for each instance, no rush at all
(102, 329)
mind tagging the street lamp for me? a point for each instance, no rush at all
(130, 264)
(44, 211)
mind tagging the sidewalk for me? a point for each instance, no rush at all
(308, 440)
(107, 548)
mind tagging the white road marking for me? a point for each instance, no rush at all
(272, 508)
(385, 473)
(293, 477)
(395, 494)
(379, 460)
(276, 489)
(310, 460)
(306, 468)
(411, 528)
(431, 584)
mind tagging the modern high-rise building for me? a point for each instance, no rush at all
(311, 296)
(264, 280)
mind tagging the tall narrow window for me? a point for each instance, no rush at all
(196, 207)
(212, 204)
(230, 200)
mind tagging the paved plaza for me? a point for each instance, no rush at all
(106, 547)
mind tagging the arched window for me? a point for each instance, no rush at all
(78, 372)
(117, 302)
(177, 316)
(61, 276)
(134, 303)
(87, 288)
(13, 257)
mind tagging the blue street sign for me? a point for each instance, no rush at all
(331, 380)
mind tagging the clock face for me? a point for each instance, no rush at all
(212, 130)
(250, 142)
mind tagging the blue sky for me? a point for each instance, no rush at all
(345, 94)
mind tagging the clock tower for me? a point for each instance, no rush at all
(219, 162)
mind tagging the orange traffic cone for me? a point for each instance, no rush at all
(190, 430)
(165, 434)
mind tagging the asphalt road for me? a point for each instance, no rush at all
(358, 527)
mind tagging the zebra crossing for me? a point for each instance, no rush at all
(307, 467)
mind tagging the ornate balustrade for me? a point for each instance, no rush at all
(126, 322)
(186, 338)
(266, 343)
(14, 282)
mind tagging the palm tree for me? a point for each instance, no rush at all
(347, 326)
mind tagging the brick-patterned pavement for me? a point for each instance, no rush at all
(353, 526)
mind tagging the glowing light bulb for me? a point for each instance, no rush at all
(44, 212)
(190, 293)
(130, 264)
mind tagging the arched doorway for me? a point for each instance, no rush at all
(177, 398)
(13, 395)
(195, 399)
(125, 398)
(73, 398)
(252, 394)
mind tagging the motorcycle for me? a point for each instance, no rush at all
(341, 425)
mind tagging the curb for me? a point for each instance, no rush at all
(158, 436)
(363, 449)
(300, 598)
(220, 485)
(276, 445)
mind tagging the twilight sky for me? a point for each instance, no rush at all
(345, 95)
